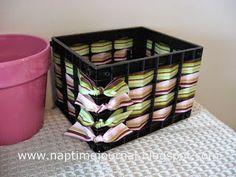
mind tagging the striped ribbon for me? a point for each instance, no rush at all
(87, 102)
(184, 106)
(81, 49)
(114, 88)
(86, 119)
(162, 48)
(118, 129)
(141, 79)
(86, 134)
(191, 66)
(188, 81)
(122, 46)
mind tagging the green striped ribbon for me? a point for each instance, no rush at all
(164, 100)
(56, 58)
(139, 108)
(162, 48)
(167, 72)
(58, 82)
(116, 87)
(149, 44)
(186, 92)
(140, 79)
(190, 67)
(101, 46)
(86, 119)
(69, 67)
(81, 49)
(70, 95)
(123, 43)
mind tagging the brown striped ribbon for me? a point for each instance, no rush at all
(86, 134)
(87, 102)
(140, 94)
(114, 134)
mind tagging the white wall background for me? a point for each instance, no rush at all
(211, 23)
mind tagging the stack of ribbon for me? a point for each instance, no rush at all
(123, 49)
(188, 81)
(70, 87)
(58, 77)
(103, 51)
(159, 48)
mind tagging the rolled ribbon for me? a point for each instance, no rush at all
(114, 88)
(87, 102)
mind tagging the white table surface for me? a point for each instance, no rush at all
(198, 146)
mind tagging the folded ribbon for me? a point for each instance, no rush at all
(86, 134)
(87, 102)
(162, 88)
(189, 80)
(117, 131)
(112, 135)
(114, 88)
(184, 106)
(138, 122)
(86, 119)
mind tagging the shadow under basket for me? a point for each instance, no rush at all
(118, 85)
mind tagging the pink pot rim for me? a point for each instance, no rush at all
(27, 68)
(26, 57)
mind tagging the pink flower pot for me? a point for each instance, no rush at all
(24, 62)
